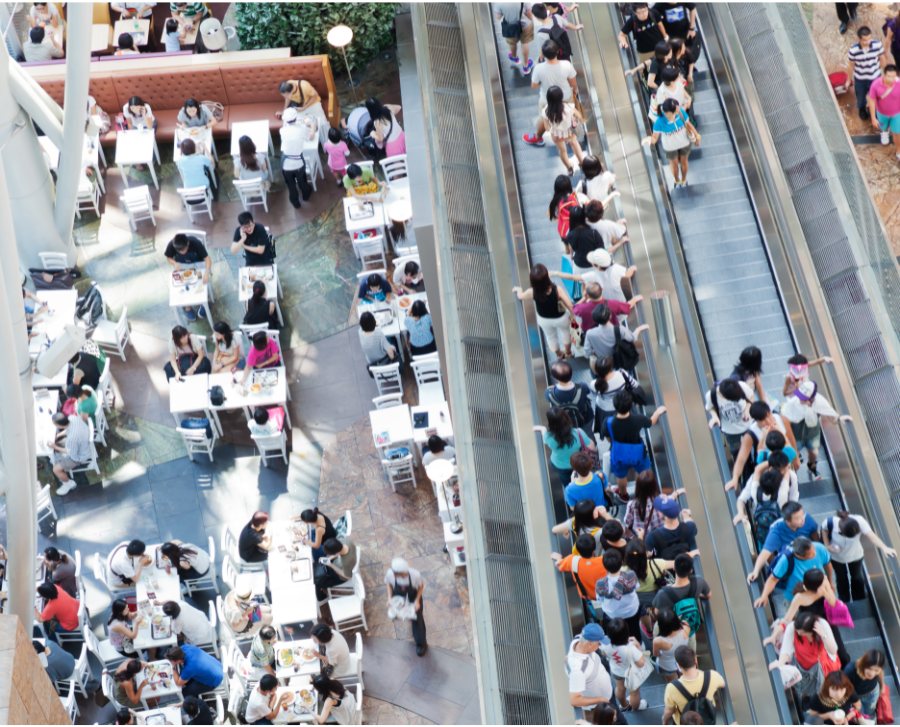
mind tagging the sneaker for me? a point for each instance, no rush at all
(642, 706)
(66, 488)
(843, 28)
(814, 471)
(420, 650)
(532, 139)
(201, 311)
(190, 315)
(513, 59)
(885, 138)
(528, 67)
(864, 114)
(684, 183)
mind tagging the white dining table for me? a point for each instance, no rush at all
(164, 715)
(437, 424)
(159, 687)
(203, 139)
(358, 224)
(189, 294)
(90, 157)
(101, 37)
(137, 146)
(269, 275)
(138, 28)
(46, 404)
(49, 325)
(291, 569)
(296, 712)
(392, 426)
(154, 588)
(299, 666)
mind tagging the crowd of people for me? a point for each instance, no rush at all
(633, 544)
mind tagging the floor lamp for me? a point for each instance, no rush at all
(339, 37)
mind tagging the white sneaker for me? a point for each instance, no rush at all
(642, 706)
(885, 138)
(66, 488)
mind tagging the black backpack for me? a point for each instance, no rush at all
(579, 408)
(699, 702)
(559, 36)
(625, 354)
(512, 30)
(765, 515)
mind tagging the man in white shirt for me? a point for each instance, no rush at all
(77, 450)
(552, 72)
(39, 47)
(804, 410)
(589, 682)
(293, 166)
(188, 621)
(262, 706)
(615, 279)
(127, 562)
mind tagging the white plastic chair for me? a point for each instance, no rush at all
(252, 192)
(387, 401)
(346, 588)
(91, 465)
(209, 581)
(102, 574)
(394, 168)
(370, 251)
(428, 380)
(354, 673)
(196, 441)
(104, 387)
(238, 667)
(400, 262)
(358, 717)
(76, 636)
(271, 446)
(108, 687)
(77, 557)
(103, 649)
(348, 612)
(44, 505)
(113, 336)
(214, 633)
(236, 694)
(231, 576)
(102, 425)
(248, 329)
(87, 198)
(54, 260)
(229, 545)
(230, 637)
(387, 379)
(81, 677)
(196, 200)
(220, 710)
(138, 205)
(69, 704)
(400, 471)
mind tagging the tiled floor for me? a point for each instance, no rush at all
(150, 490)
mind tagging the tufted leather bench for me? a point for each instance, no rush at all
(247, 89)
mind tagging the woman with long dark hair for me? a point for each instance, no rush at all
(338, 702)
(584, 521)
(386, 130)
(866, 675)
(561, 204)
(563, 439)
(749, 370)
(187, 355)
(640, 515)
(260, 309)
(561, 120)
(190, 561)
(319, 529)
(228, 355)
(554, 309)
(421, 334)
(609, 382)
(123, 626)
(808, 644)
(251, 164)
(194, 115)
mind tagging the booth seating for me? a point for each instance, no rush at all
(244, 82)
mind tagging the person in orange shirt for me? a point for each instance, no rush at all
(586, 570)
(60, 610)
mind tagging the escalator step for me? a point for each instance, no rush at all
(861, 609)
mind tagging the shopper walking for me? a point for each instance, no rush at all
(865, 60)
(406, 584)
(884, 107)
(678, 133)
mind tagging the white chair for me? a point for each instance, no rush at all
(236, 694)
(91, 465)
(77, 556)
(138, 205)
(387, 379)
(69, 704)
(428, 380)
(370, 251)
(229, 545)
(394, 168)
(346, 588)
(87, 198)
(102, 424)
(238, 666)
(108, 687)
(44, 505)
(271, 446)
(196, 441)
(82, 674)
(348, 612)
(230, 637)
(196, 200)
(353, 674)
(358, 717)
(387, 401)
(220, 710)
(248, 329)
(113, 336)
(255, 579)
(104, 387)
(103, 649)
(382, 271)
(427, 357)
(348, 519)
(76, 636)
(54, 260)
(400, 471)
(212, 646)
(400, 262)
(209, 581)
(102, 574)
(252, 192)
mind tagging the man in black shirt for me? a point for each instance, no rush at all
(647, 29)
(674, 537)
(187, 252)
(581, 240)
(254, 240)
(253, 543)
(680, 21)
(196, 711)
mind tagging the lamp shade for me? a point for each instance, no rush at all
(340, 36)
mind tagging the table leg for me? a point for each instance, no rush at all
(177, 420)
(125, 168)
(96, 168)
(271, 144)
(287, 416)
(153, 174)
(156, 152)
(213, 416)
(101, 155)
(278, 311)
(208, 314)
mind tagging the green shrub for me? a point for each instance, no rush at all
(304, 26)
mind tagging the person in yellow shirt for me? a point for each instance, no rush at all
(694, 690)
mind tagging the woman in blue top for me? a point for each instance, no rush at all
(563, 440)
(421, 334)
(678, 133)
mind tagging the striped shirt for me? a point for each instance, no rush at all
(866, 61)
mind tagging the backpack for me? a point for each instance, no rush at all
(578, 409)
(765, 515)
(625, 354)
(89, 307)
(787, 553)
(688, 609)
(559, 36)
(512, 30)
(714, 396)
(699, 702)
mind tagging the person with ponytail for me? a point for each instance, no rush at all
(561, 204)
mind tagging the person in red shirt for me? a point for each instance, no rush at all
(60, 610)
(593, 296)
(589, 569)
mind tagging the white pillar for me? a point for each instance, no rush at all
(29, 187)
(78, 69)
(17, 450)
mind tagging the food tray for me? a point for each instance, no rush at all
(161, 631)
(361, 210)
(266, 378)
(301, 570)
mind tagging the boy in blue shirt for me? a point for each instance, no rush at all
(789, 569)
(795, 523)
(198, 672)
(586, 484)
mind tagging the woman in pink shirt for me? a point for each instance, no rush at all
(337, 151)
(263, 354)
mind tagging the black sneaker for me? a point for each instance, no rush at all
(864, 114)
(843, 28)
(421, 649)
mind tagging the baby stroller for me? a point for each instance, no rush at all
(359, 126)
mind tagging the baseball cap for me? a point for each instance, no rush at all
(289, 116)
(593, 632)
(599, 257)
(668, 506)
(806, 391)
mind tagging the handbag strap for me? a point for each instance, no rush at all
(584, 591)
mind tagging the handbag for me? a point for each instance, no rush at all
(636, 675)
(838, 614)
(638, 395)
(594, 454)
(884, 712)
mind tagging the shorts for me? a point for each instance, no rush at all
(525, 38)
(67, 463)
(889, 123)
(621, 470)
(809, 437)
(682, 153)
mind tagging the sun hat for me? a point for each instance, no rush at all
(599, 257)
